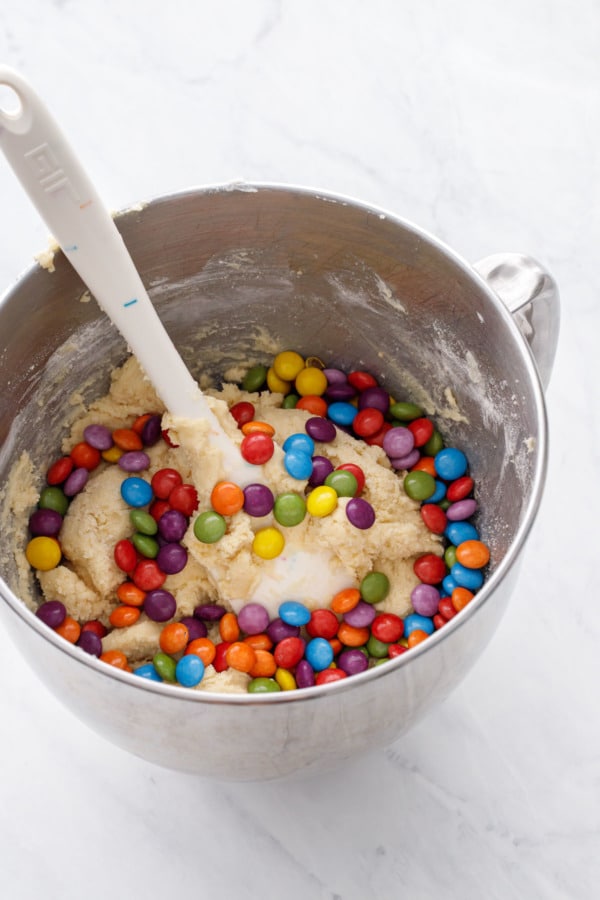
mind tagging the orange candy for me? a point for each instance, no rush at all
(69, 629)
(85, 457)
(115, 658)
(130, 594)
(259, 641)
(240, 656)
(227, 498)
(229, 628)
(174, 637)
(127, 439)
(352, 637)
(138, 425)
(425, 464)
(461, 597)
(255, 426)
(473, 554)
(204, 648)
(265, 665)
(123, 616)
(345, 600)
(313, 404)
(417, 637)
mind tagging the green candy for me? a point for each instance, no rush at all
(143, 521)
(450, 556)
(405, 412)
(374, 587)
(444, 504)
(434, 444)
(419, 485)
(165, 665)
(254, 379)
(343, 482)
(263, 685)
(54, 498)
(210, 527)
(145, 545)
(290, 401)
(377, 649)
(289, 509)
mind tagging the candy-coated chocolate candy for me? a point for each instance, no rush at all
(147, 575)
(430, 569)
(98, 436)
(227, 498)
(90, 643)
(398, 442)
(136, 491)
(240, 656)
(294, 613)
(321, 429)
(321, 501)
(323, 623)
(450, 463)
(160, 605)
(53, 498)
(357, 472)
(342, 413)
(360, 513)
(45, 523)
(254, 379)
(43, 553)
(147, 671)
(258, 500)
(210, 527)
(262, 685)
(134, 461)
(278, 630)
(422, 430)
(125, 555)
(189, 671)
(374, 587)
(419, 485)
(165, 665)
(473, 554)
(361, 380)
(434, 517)
(468, 578)
(242, 412)
(376, 398)
(458, 532)
(299, 441)
(321, 468)
(257, 448)
(151, 431)
(285, 679)
(253, 618)
(145, 544)
(163, 481)
(289, 509)
(387, 627)
(268, 543)
(343, 482)
(425, 599)
(415, 621)
(434, 444)
(353, 661)
(305, 674)
(376, 648)
(298, 464)
(311, 380)
(361, 615)
(460, 489)
(289, 652)
(367, 422)
(143, 522)
(75, 482)
(461, 510)
(319, 653)
(405, 411)
(60, 470)
(288, 364)
(172, 558)
(184, 498)
(52, 613)
(84, 456)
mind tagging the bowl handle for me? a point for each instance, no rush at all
(531, 295)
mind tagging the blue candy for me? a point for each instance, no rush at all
(299, 441)
(458, 532)
(450, 463)
(416, 622)
(319, 653)
(298, 464)
(449, 583)
(342, 413)
(189, 671)
(472, 579)
(439, 493)
(136, 492)
(148, 671)
(294, 613)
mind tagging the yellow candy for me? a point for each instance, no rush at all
(322, 501)
(112, 455)
(268, 543)
(43, 553)
(277, 384)
(311, 381)
(285, 680)
(288, 364)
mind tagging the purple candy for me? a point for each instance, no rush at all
(352, 661)
(425, 599)
(52, 613)
(340, 391)
(196, 628)
(322, 467)
(305, 674)
(360, 513)
(462, 509)
(375, 398)
(258, 500)
(210, 612)
(335, 376)
(151, 431)
(406, 462)
(160, 605)
(361, 616)
(320, 429)
(45, 522)
(172, 525)
(90, 642)
(171, 558)
(253, 618)
(75, 482)
(278, 630)
(398, 442)
(98, 436)
(134, 461)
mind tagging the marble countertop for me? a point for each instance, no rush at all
(479, 122)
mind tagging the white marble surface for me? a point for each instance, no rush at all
(480, 122)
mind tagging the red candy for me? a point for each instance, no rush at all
(430, 569)
(368, 422)
(158, 508)
(220, 662)
(242, 412)
(164, 481)
(376, 440)
(60, 470)
(446, 608)
(328, 676)
(289, 652)
(184, 498)
(387, 627)
(361, 380)
(85, 456)
(147, 575)
(95, 626)
(257, 448)
(422, 430)
(460, 489)
(434, 517)
(125, 556)
(323, 623)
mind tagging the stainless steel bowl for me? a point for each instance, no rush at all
(358, 287)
